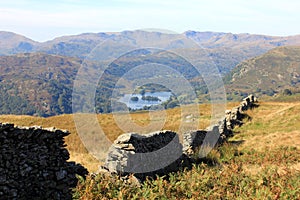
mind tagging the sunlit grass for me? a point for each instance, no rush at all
(111, 129)
(260, 162)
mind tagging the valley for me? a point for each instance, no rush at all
(139, 81)
(39, 80)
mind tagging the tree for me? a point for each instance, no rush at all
(287, 92)
(135, 98)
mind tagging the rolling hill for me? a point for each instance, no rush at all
(36, 84)
(42, 84)
(268, 74)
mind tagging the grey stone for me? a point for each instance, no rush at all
(192, 140)
(35, 157)
(134, 153)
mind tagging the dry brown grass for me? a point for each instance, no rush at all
(107, 122)
(265, 166)
(274, 127)
(273, 124)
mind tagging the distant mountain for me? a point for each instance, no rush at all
(73, 46)
(270, 73)
(203, 37)
(225, 49)
(38, 78)
(11, 43)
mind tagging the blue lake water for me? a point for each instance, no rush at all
(163, 96)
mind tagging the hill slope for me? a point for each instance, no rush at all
(11, 43)
(270, 73)
(36, 84)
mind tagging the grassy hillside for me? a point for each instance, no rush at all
(268, 74)
(260, 162)
(108, 124)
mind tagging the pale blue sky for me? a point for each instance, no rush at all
(45, 20)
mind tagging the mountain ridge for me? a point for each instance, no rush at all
(40, 82)
(11, 43)
(225, 49)
(206, 37)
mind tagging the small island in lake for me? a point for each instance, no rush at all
(150, 98)
(135, 98)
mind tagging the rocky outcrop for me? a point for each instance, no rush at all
(33, 164)
(161, 152)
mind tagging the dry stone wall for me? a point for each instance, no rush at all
(145, 155)
(33, 164)
(139, 154)
(223, 129)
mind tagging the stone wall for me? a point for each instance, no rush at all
(223, 129)
(33, 164)
(145, 155)
(161, 152)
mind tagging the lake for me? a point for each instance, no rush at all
(163, 96)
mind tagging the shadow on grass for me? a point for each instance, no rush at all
(254, 105)
(219, 156)
(236, 142)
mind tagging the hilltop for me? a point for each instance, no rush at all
(12, 43)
